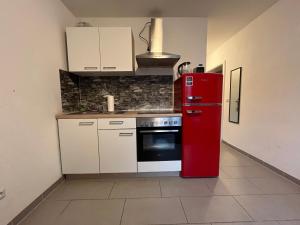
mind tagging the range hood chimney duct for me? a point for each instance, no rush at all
(156, 35)
(156, 62)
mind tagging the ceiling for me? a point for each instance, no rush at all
(225, 17)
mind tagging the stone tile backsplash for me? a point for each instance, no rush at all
(130, 92)
(70, 93)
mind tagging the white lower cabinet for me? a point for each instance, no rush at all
(79, 146)
(91, 146)
(117, 151)
(117, 147)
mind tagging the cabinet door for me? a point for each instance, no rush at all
(118, 151)
(79, 146)
(83, 48)
(116, 49)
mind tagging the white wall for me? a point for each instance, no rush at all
(32, 50)
(268, 49)
(183, 36)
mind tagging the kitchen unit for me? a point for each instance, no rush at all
(199, 97)
(100, 49)
(93, 143)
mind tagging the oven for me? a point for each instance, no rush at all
(159, 139)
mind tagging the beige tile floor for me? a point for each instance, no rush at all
(246, 193)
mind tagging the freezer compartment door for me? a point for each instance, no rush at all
(202, 88)
(201, 141)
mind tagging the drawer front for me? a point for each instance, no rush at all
(116, 123)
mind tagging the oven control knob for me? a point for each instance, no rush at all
(166, 122)
(175, 122)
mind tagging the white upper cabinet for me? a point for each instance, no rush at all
(116, 49)
(83, 48)
(104, 49)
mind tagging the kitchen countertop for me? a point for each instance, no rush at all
(129, 114)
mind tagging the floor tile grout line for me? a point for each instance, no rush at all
(112, 187)
(123, 211)
(183, 210)
(228, 175)
(178, 196)
(283, 220)
(275, 178)
(160, 188)
(263, 192)
(209, 189)
(238, 222)
(243, 208)
(64, 209)
(186, 196)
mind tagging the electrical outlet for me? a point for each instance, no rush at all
(2, 193)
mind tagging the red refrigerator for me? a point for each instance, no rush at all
(199, 97)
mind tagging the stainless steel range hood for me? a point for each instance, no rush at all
(156, 62)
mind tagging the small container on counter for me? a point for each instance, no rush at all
(199, 69)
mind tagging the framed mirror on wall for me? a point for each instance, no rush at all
(235, 95)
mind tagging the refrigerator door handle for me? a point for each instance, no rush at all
(194, 97)
(193, 111)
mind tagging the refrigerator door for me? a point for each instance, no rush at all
(201, 141)
(202, 88)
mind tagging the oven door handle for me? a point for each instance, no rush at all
(158, 131)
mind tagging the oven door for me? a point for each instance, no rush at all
(158, 143)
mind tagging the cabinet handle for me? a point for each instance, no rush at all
(115, 122)
(125, 134)
(194, 97)
(193, 111)
(86, 123)
(90, 67)
(158, 131)
(109, 67)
